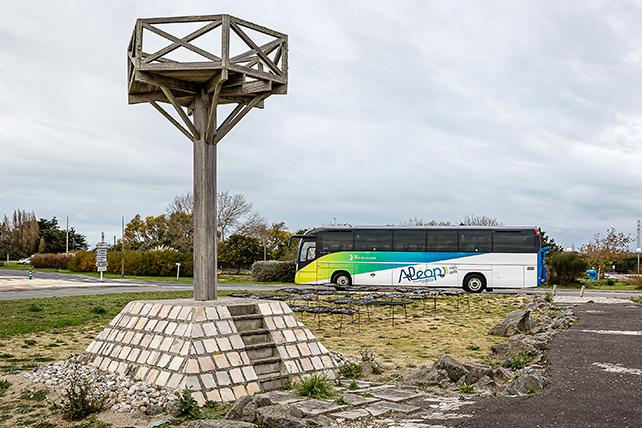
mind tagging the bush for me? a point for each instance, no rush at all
(316, 386)
(273, 271)
(187, 406)
(350, 370)
(466, 388)
(139, 263)
(565, 268)
(81, 399)
(50, 260)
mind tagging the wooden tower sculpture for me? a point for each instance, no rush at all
(195, 75)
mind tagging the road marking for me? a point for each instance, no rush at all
(618, 368)
(618, 332)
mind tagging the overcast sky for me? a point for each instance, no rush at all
(530, 112)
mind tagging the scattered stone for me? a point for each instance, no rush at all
(383, 407)
(529, 382)
(426, 376)
(219, 423)
(475, 372)
(281, 416)
(352, 415)
(357, 400)
(518, 321)
(312, 407)
(454, 368)
(394, 394)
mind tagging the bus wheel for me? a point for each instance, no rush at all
(474, 283)
(341, 278)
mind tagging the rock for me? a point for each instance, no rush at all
(318, 421)
(500, 375)
(219, 423)
(453, 368)
(488, 384)
(426, 376)
(513, 347)
(475, 373)
(529, 382)
(281, 416)
(237, 410)
(518, 321)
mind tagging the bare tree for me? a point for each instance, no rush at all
(235, 215)
(181, 204)
(476, 220)
(415, 221)
(604, 251)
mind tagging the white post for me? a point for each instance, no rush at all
(67, 237)
(554, 289)
(101, 276)
(178, 270)
(582, 291)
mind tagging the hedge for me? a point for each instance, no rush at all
(139, 263)
(51, 260)
(273, 271)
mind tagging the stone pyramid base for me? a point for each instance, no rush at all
(222, 349)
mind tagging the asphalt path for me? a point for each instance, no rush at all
(88, 285)
(595, 377)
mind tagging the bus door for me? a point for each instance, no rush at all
(307, 254)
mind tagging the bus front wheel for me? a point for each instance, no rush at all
(474, 283)
(341, 278)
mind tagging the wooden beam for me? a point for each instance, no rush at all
(225, 40)
(227, 99)
(256, 27)
(179, 19)
(249, 88)
(267, 48)
(250, 72)
(258, 50)
(181, 42)
(211, 116)
(216, 80)
(157, 96)
(156, 80)
(180, 111)
(222, 131)
(191, 36)
(174, 122)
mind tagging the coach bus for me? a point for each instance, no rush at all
(472, 257)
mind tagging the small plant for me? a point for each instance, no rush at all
(466, 388)
(34, 395)
(517, 361)
(98, 310)
(316, 386)
(341, 401)
(367, 356)
(366, 394)
(286, 386)
(353, 385)
(187, 406)
(28, 343)
(4, 385)
(81, 399)
(472, 347)
(532, 390)
(350, 370)
(548, 297)
(610, 281)
(34, 308)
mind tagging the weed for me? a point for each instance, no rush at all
(466, 388)
(532, 390)
(353, 385)
(81, 399)
(350, 370)
(187, 406)
(548, 297)
(29, 342)
(367, 356)
(341, 401)
(517, 361)
(286, 386)
(98, 310)
(4, 385)
(316, 386)
(34, 308)
(367, 394)
(34, 395)
(472, 347)
(213, 410)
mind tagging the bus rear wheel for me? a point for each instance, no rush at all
(474, 283)
(341, 278)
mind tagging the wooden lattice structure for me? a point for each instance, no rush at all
(220, 60)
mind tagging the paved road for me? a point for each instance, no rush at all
(76, 285)
(595, 378)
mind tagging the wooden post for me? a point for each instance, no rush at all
(204, 205)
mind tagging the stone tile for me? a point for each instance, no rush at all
(236, 342)
(192, 366)
(277, 337)
(176, 363)
(239, 391)
(245, 358)
(128, 337)
(112, 366)
(206, 363)
(252, 388)
(351, 415)
(316, 362)
(193, 383)
(208, 381)
(197, 331)
(199, 314)
(164, 360)
(211, 313)
(237, 375)
(153, 358)
(155, 310)
(209, 328)
(289, 335)
(146, 340)
(292, 351)
(137, 338)
(176, 346)
(393, 394)
(166, 344)
(264, 308)
(132, 322)
(199, 349)
(314, 348)
(164, 311)
(115, 351)
(213, 395)
(152, 375)
(384, 407)
(227, 395)
(222, 378)
(124, 321)
(224, 344)
(185, 349)
(327, 362)
(210, 345)
(269, 323)
(200, 398)
(248, 373)
(150, 325)
(136, 307)
(285, 308)
(291, 366)
(173, 314)
(171, 328)
(160, 326)
(141, 373)
(141, 323)
(156, 341)
(283, 352)
(289, 321)
(146, 308)
(310, 336)
(312, 407)
(223, 327)
(283, 397)
(300, 335)
(304, 349)
(357, 399)
(279, 323)
(174, 381)
(234, 358)
(181, 330)
(223, 313)
(133, 355)
(306, 364)
(104, 364)
(162, 378)
(120, 336)
(276, 308)
(124, 352)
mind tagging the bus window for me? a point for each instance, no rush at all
(442, 240)
(475, 241)
(515, 241)
(331, 242)
(410, 240)
(307, 251)
(373, 240)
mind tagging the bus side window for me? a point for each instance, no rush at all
(515, 241)
(311, 252)
(475, 241)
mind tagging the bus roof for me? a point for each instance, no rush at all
(317, 230)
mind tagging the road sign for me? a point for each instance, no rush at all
(101, 256)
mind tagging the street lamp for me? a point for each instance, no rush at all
(638, 250)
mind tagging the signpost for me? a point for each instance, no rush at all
(101, 256)
(178, 270)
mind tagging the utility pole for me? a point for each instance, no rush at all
(67, 237)
(122, 247)
(638, 250)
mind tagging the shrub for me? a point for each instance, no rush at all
(139, 263)
(316, 386)
(566, 267)
(353, 385)
(187, 406)
(466, 388)
(50, 260)
(81, 399)
(350, 370)
(273, 271)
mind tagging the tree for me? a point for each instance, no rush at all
(473, 220)
(273, 239)
(565, 267)
(415, 221)
(55, 237)
(240, 251)
(147, 234)
(42, 246)
(607, 250)
(235, 215)
(547, 241)
(19, 234)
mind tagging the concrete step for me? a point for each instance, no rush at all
(240, 310)
(251, 337)
(273, 381)
(258, 351)
(267, 368)
(248, 322)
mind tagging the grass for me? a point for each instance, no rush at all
(466, 388)
(600, 285)
(316, 386)
(223, 278)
